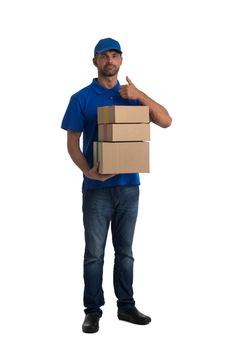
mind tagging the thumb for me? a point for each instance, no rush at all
(129, 81)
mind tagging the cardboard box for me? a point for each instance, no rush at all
(122, 157)
(123, 114)
(124, 132)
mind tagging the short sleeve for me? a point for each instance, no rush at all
(73, 118)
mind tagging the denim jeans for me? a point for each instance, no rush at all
(118, 206)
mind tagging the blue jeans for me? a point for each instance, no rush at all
(118, 206)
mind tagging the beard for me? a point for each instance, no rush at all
(109, 70)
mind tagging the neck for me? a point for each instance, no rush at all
(107, 82)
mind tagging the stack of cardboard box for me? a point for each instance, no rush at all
(123, 132)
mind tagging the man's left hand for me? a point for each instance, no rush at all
(129, 90)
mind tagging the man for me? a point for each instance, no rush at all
(107, 199)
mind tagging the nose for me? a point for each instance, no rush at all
(110, 60)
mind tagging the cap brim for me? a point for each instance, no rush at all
(108, 49)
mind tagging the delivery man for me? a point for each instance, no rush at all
(107, 199)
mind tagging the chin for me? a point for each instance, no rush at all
(110, 74)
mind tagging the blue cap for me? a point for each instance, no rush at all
(107, 45)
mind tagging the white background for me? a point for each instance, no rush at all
(180, 54)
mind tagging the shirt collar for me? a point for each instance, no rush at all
(101, 89)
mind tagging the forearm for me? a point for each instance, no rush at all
(78, 158)
(158, 114)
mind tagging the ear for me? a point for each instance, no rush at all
(94, 61)
(121, 60)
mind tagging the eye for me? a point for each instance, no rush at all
(102, 56)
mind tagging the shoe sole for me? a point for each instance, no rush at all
(90, 331)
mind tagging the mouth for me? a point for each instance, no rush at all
(109, 67)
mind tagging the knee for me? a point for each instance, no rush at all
(93, 256)
(124, 254)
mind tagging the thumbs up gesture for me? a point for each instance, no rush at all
(129, 91)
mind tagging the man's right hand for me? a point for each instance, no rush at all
(94, 175)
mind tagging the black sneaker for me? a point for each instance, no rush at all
(133, 315)
(91, 323)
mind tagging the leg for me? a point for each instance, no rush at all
(97, 213)
(123, 225)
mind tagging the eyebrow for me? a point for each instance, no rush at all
(105, 53)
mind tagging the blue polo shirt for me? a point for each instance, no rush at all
(81, 116)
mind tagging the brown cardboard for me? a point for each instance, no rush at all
(122, 157)
(123, 114)
(124, 132)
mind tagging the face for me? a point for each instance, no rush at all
(108, 63)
